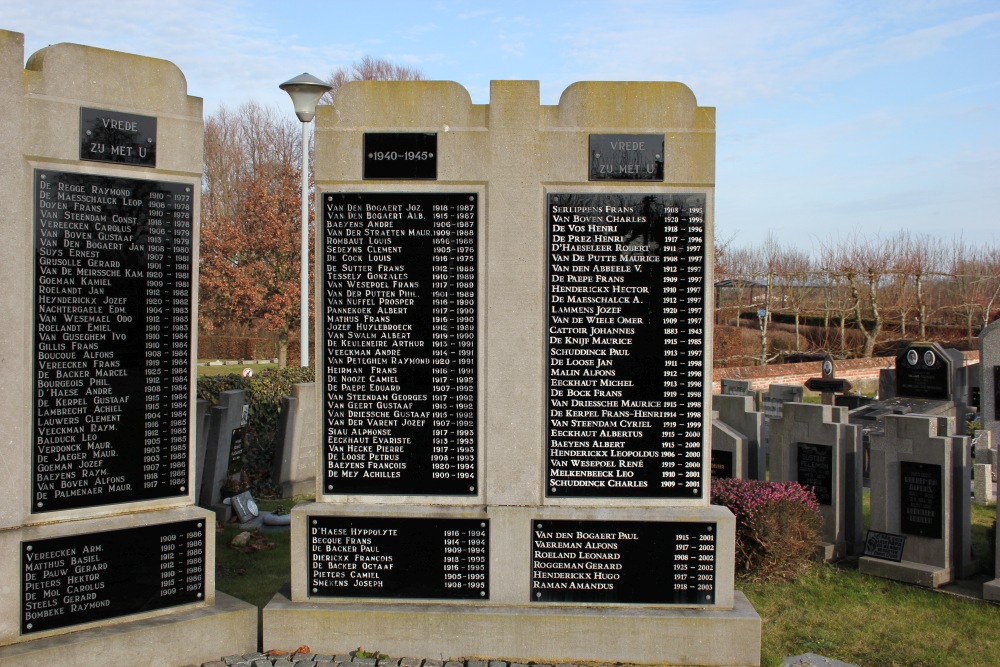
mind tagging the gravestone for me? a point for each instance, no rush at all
(515, 376)
(730, 452)
(295, 455)
(736, 387)
(224, 453)
(107, 560)
(738, 413)
(815, 446)
(772, 403)
(989, 380)
(920, 489)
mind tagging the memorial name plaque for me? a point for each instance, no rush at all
(921, 372)
(400, 155)
(920, 499)
(722, 464)
(642, 562)
(399, 332)
(626, 345)
(815, 470)
(113, 136)
(626, 157)
(884, 546)
(111, 340)
(236, 451)
(376, 557)
(95, 576)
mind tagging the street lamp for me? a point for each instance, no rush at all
(305, 91)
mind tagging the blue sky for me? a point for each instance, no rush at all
(832, 116)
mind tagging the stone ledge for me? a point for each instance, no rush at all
(523, 633)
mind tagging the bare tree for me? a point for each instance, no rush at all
(863, 262)
(369, 69)
(795, 268)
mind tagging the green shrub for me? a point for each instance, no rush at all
(264, 392)
(778, 526)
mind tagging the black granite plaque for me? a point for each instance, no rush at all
(113, 136)
(95, 576)
(400, 155)
(626, 157)
(920, 499)
(722, 464)
(235, 466)
(884, 546)
(375, 557)
(112, 353)
(815, 470)
(996, 392)
(923, 371)
(399, 343)
(626, 345)
(642, 562)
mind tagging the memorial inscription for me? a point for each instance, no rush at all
(400, 155)
(920, 499)
(611, 561)
(722, 464)
(923, 373)
(113, 136)
(815, 470)
(111, 340)
(626, 157)
(400, 332)
(398, 557)
(95, 576)
(626, 345)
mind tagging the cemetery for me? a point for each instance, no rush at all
(513, 447)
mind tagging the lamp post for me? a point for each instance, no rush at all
(305, 91)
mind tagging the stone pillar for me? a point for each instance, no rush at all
(101, 181)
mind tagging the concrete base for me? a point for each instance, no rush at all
(522, 633)
(991, 590)
(187, 637)
(826, 551)
(918, 574)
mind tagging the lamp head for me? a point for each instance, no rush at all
(305, 91)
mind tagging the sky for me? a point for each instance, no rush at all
(833, 117)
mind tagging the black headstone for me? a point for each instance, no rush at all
(96, 576)
(625, 362)
(112, 355)
(642, 562)
(378, 557)
(924, 371)
(920, 499)
(884, 546)
(399, 343)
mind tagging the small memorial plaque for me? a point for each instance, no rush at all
(112, 352)
(95, 576)
(235, 466)
(626, 346)
(121, 138)
(722, 464)
(923, 371)
(815, 470)
(736, 387)
(399, 343)
(920, 499)
(996, 392)
(626, 157)
(376, 557)
(885, 546)
(641, 562)
(400, 155)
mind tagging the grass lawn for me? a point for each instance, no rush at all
(832, 610)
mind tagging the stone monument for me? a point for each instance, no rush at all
(106, 558)
(514, 381)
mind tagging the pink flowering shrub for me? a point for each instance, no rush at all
(778, 526)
